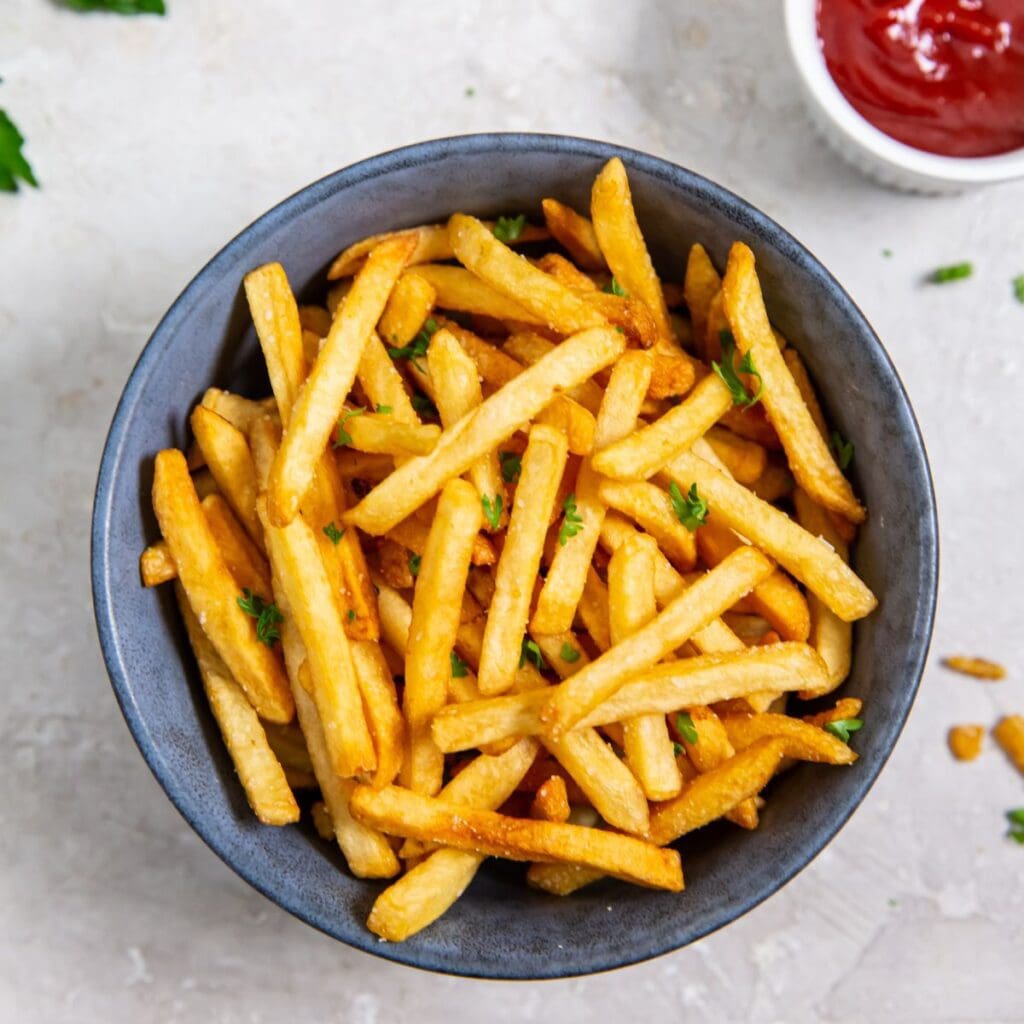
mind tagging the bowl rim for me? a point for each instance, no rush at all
(422, 154)
(806, 51)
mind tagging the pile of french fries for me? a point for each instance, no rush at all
(521, 559)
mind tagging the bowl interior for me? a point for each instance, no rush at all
(500, 928)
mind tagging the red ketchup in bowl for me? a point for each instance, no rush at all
(946, 76)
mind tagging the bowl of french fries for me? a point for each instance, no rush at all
(515, 556)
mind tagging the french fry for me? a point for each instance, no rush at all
(528, 347)
(745, 459)
(677, 622)
(322, 821)
(300, 575)
(384, 435)
(545, 299)
(462, 291)
(651, 508)
(566, 272)
(777, 599)
(258, 769)
(551, 801)
(574, 232)
(156, 565)
(243, 558)
(353, 465)
(495, 367)
(632, 605)
(403, 813)
(618, 233)
(674, 371)
(847, 707)
(542, 468)
(228, 458)
(383, 384)
(1009, 734)
(809, 559)
(315, 320)
(803, 384)
(212, 591)
(458, 393)
(644, 452)
(238, 411)
(497, 418)
(976, 668)
(289, 746)
(320, 400)
(407, 308)
(808, 454)
(572, 420)
(412, 534)
(435, 624)
(965, 741)
(776, 482)
(562, 651)
(380, 702)
(701, 284)
(803, 741)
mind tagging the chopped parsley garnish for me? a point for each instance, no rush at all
(119, 6)
(569, 653)
(267, 616)
(333, 533)
(470, 92)
(417, 348)
(614, 288)
(887, 253)
(530, 651)
(385, 410)
(343, 437)
(1018, 288)
(843, 450)
(572, 523)
(954, 272)
(1016, 819)
(511, 466)
(691, 511)
(414, 564)
(686, 728)
(842, 727)
(13, 166)
(727, 370)
(492, 509)
(508, 229)
(423, 405)
(677, 749)
(458, 666)
(351, 615)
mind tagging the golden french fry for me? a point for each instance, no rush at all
(618, 233)
(700, 286)
(574, 232)
(382, 712)
(434, 626)
(562, 651)
(315, 319)
(409, 814)
(496, 419)
(289, 746)
(463, 291)
(528, 347)
(809, 457)
(809, 559)
(407, 309)
(746, 460)
(258, 769)
(1009, 734)
(965, 741)
(566, 272)
(156, 565)
(572, 420)
(412, 534)
(212, 591)
(846, 707)
(545, 299)
(322, 396)
(238, 411)
(803, 741)
(383, 384)
(322, 821)
(803, 384)
(551, 801)
(622, 399)
(977, 668)
(685, 615)
(243, 558)
(382, 434)
(632, 605)
(651, 508)
(541, 473)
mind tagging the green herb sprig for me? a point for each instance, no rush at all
(572, 521)
(508, 229)
(842, 727)
(267, 615)
(727, 371)
(13, 166)
(692, 510)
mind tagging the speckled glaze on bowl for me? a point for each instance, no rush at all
(501, 929)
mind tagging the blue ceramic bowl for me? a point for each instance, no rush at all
(500, 928)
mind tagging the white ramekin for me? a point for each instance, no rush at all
(872, 151)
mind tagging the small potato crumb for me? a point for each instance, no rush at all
(1009, 734)
(979, 668)
(965, 741)
(322, 820)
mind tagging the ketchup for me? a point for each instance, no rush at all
(946, 76)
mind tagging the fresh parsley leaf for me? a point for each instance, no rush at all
(414, 564)
(492, 509)
(614, 288)
(417, 348)
(569, 653)
(1016, 816)
(691, 511)
(954, 272)
(677, 749)
(508, 229)
(333, 533)
(351, 615)
(843, 450)
(887, 253)
(13, 165)
(511, 466)
(1018, 288)
(727, 370)
(842, 727)
(1016, 820)
(531, 652)
(458, 666)
(423, 405)
(470, 92)
(572, 522)
(686, 728)
(385, 410)
(119, 6)
(343, 436)
(267, 616)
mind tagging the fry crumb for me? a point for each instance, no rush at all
(1009, 734)
(979, 668)
(965, 741)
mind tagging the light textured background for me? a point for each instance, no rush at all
(157, 140)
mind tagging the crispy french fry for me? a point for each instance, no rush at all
(434, 626)
(289, 746)
(685, 615)
(462, 291)
(238, 411)
(803, 383)
(574, 232)
(745, 459)
(803, 741)
(212, 591)
(632, 605)
(407, 308)
(542, 468)
(551, 801)
(809, 559)
(353, 465)
(412, 534)
(977, 668)
(258, 769)
(809, 458)
(545, 299)
(156, 565)
(965, 741)
(566, 272)
(321, 397)
(572, 420)
(651, 508)
(1009, 734)
(497, 418)
(528, 347)
(618, 233)
(243, 558)
(562, 651)
(382, 382)
(409, 814)
(700, 286)
(383, 716)
(322, 821)
(384, 435)
(315, 320)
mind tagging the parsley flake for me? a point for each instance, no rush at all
(414, 564)
(343, 437)
(119, 6)
(1018, 288)
(459, 667)
(267, 616)
(954, 272)
(423, 405)
(843, 450)
(530, 651)
(887, 253)
(333, 533)
(677, 749)
(686, 728)
(842, 727)
(614, 288)
(351, 615)
(511, 466)
(12, 164)
(572, 523)
(417, 348)
(727, 371)
(569, 653)
(492, 509)
(691, 511)
(508, 229)
(384, 410)
(1016, 819)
